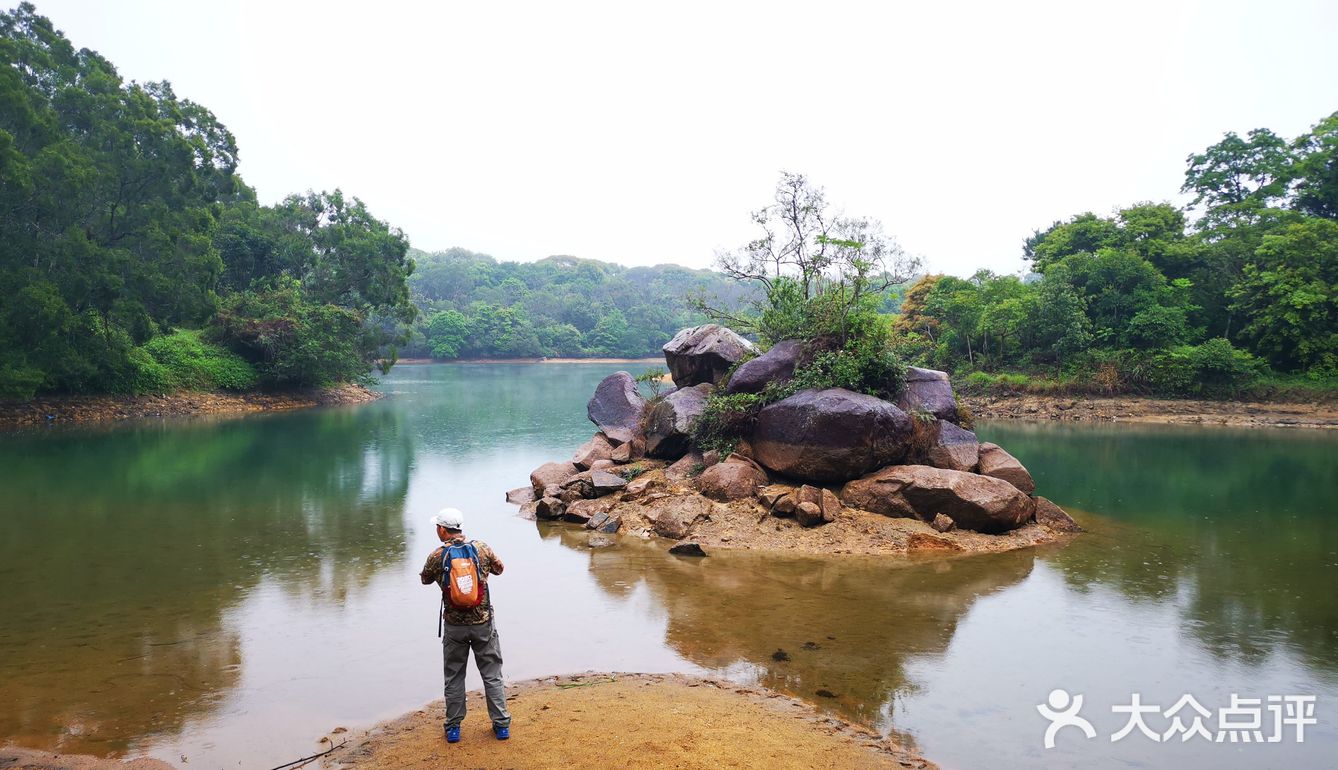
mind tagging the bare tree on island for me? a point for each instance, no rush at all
(807, 251)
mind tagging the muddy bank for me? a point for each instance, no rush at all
(61, 410)
(15, 758)
(631, 721)
(1154, 410)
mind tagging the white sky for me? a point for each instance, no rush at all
(644, 133)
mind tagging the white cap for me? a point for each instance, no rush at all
(450, 518)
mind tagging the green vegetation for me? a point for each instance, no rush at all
(473, 306)
(825, 281)
(133, 257)
(1147, 301)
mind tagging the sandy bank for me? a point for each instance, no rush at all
(1154, 410)
(56, 410)
(630, 721)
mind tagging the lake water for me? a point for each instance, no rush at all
(229, 591)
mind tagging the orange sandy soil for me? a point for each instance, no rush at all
(56, 410)
(14, 758)
(1154, 410)
(629, 721)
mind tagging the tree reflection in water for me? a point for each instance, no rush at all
(121, 552)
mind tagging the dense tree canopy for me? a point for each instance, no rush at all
(122, 217)
(1151, 299)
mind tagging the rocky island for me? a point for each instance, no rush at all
(821, 470)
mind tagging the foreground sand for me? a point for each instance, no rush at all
(630, 721)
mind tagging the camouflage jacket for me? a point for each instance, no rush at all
(489, 564)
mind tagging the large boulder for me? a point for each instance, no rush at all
(616, 407)
(972, 501)
(775, 365)
(1052, 516)
(733, 479)
(928, 390)
(953, 448)
(704, 354)
(669, 423)
(829, 435)
(996, 462)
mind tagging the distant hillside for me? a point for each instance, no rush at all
(474, 306)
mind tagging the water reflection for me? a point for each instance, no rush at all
(1236, 529)
(843, 630)
(121, 552)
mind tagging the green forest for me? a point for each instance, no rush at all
(134, 259)
(1234, 293)
(476, 307)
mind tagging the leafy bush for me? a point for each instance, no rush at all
(1214, 368)
(194, 364)
(292, 341)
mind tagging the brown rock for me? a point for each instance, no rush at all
(685, 467)
(575, 492)
(551, 473)
(996, 462)
(972, 501)
(520, 495)
(808, 514)
(928, 390)
(829, 435)
(602, 465)
(830, 505)
(581, 511)
(669, 421)
(942, 523)
(775, 365)
(734, 479)
(604, 482)
(616, 407)
(674, 516)
(703, 354)
(623, 452)
(527, 510)
(953, 448)
(1053, 517)
(550, 508)
(597, 448)
(644, 483)
(552, 490)
(785, 505)
(770, 494)
(688, 549)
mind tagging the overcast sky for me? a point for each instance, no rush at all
(644, 133)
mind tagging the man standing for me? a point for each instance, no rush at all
(467, 626)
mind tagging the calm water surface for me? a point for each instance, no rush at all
(228, 591)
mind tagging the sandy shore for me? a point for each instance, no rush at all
(58, 410)
(629, 721)
(1154, 410)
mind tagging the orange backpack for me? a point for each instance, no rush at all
(460, 566)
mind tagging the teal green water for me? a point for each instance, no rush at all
(230, 590)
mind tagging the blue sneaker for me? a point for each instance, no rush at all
(453, 734)
(502, 733)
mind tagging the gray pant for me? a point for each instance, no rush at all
(455, 646)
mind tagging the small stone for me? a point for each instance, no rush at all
(942, 523)
(550, 508)
(520, 495)
(808, 514)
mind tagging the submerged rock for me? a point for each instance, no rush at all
(616, 407)
(775, 365)
(703, 354)
(688, 549)
(1050, 515)
(669, 424)
(829, 435)
(928, 390)
(996, 462)
(972, 501)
